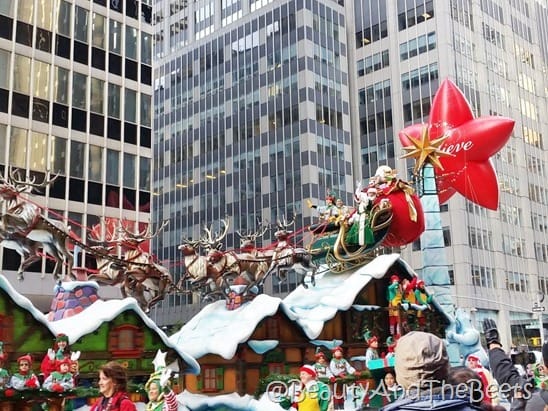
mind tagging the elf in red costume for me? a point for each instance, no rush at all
(24, 379)
(62, 379)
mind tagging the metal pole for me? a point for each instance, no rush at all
(541, 328)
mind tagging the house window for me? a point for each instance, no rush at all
(126, 341)
(212, 379)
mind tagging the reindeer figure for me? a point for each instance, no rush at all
(28, 250)
(288, 257)
(253, 263)
(104, 238)
(143, 275)
(25, 219)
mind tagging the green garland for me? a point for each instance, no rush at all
(9, 394)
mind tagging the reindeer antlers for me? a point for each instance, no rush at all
(15, 179)
(211, 242)
(141, 236)
(251, 236)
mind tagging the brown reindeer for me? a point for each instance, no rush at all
(286, 256)
(25, 219)
(104, 238)
(253, 262)
(145, 280)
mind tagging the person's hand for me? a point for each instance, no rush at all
(491, 332)
(164, 377)
(51, 354)
(75, 355)
(57, 387)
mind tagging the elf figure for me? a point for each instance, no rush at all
(61, 380)
(4, 375)
(394, 297)
(59, 351)
(321, 366)
(423, 301)
(24, 379)
(372, 352)
(340, 368)
(158, 387)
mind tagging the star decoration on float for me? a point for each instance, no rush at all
(471, 142)
(159, 361)
(424, 150)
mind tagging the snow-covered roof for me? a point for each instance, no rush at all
(93, 317)
(312, 307)
(216, 330)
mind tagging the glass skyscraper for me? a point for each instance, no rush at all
(260, 105)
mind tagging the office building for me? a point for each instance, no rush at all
(75, 99)
(261, 105)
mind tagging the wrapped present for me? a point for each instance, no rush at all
(381, 363)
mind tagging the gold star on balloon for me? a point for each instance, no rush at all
(424, 150)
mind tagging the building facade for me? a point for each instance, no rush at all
(261, 105)
(75, 100)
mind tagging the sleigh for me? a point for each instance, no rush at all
(334, 249)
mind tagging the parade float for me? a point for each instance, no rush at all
(353, 299)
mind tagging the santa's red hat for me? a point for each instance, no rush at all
(394, 278)
(420, 283)
(473, 357)
(309, 370)
(337, 348)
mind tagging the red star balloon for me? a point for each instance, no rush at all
(470, 141)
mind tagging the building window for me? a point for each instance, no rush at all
(60, 93)
(131, 42)
(446, 236)
(95, 162)
(483, 277)
(98, 31)
(113, 167)
(129, 170)
(113, 100)
(81, 24)
(130, 105)
(58, 154)
(79, 85)
(97, 95)
(18, 147)
(77, 159)
(517, 281)
(479, 238)
(21, 82)
(115, 37)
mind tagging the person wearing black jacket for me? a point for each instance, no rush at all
(522, 392)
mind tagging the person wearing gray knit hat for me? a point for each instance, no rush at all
(422, 367)
(420, 357)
